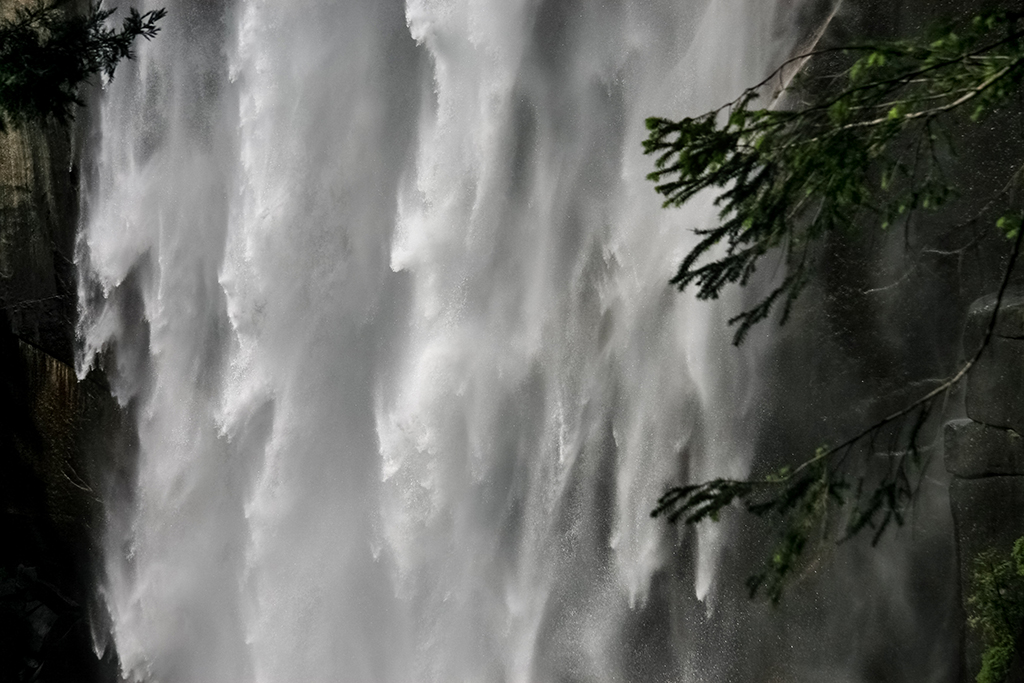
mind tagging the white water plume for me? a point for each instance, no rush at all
(385, 290)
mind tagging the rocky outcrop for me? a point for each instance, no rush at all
(985, 453)
(995, 389)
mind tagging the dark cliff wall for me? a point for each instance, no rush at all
(53, 428)
(51, 515)
(881, 324)
(924, 319)
(884, 323)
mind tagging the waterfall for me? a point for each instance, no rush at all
(384, 290)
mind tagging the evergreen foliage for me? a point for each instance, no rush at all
(47, 51)
(868, 145)
(996, 609)
(871, 148)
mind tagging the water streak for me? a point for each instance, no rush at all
(385, 290)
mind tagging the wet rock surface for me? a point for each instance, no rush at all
(995, 386)
(53, 426)
(49, 515)
(985, 454)
(976, 450)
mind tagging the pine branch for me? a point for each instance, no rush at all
(787, 179)
(48, 51)
(788, 492)
(769, 166)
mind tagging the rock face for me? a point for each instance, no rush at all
(975, 450)
(50, 422)
(995, 387)
(53, 427)
(887, 315)
(38, 216)
(985, 454)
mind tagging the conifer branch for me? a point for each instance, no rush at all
(47, 51)
(769, 166)
(787, 179)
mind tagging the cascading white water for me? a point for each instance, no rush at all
(386, 292)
